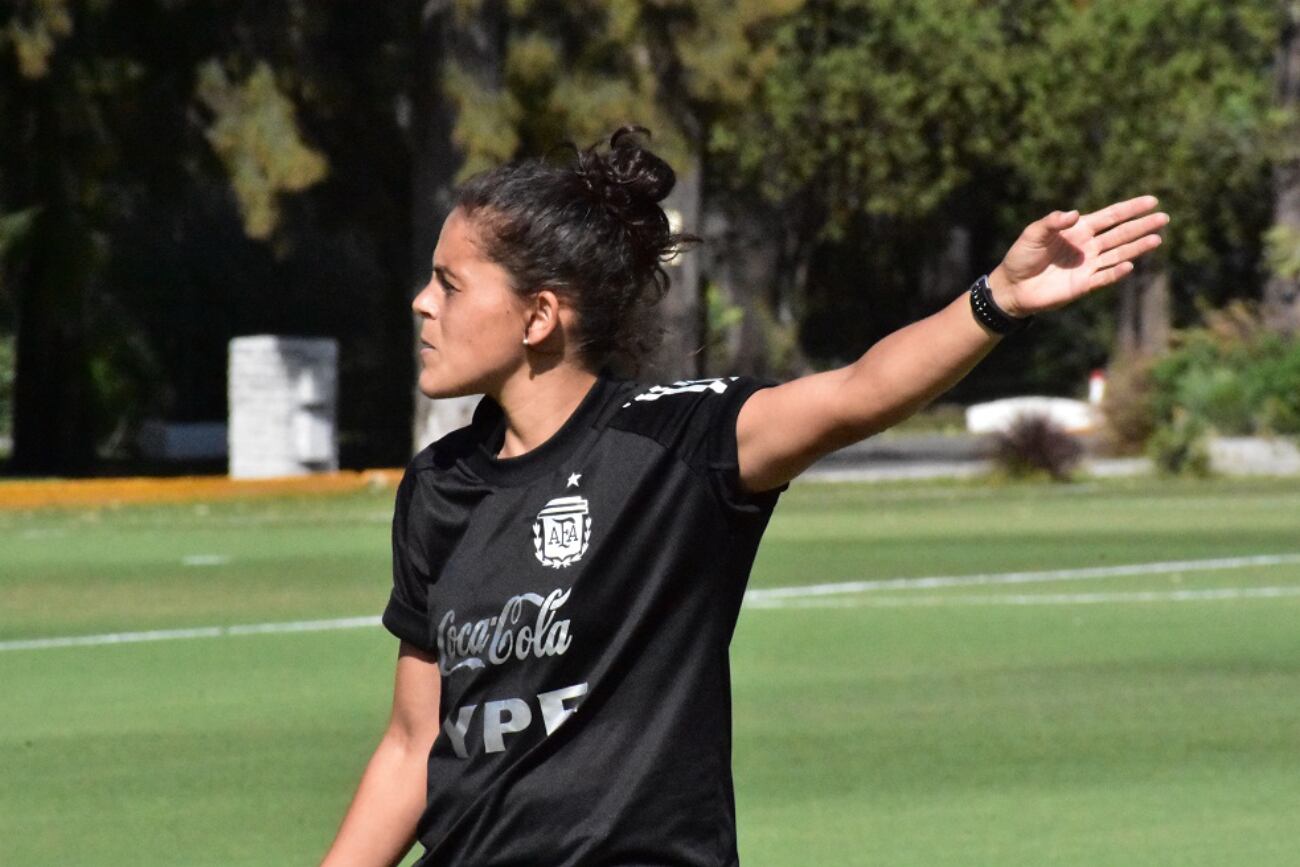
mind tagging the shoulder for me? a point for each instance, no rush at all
(684, 409)
(434, 466)
(687, 395)
(442, 453)
(454, 446)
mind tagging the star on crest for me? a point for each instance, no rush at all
(573, 480)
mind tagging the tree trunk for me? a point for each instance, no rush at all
(52, 432)
(474, 43)
(1281, 307)
(1143, 323)
(1155, 313)
(52, 421)
(746, 259)
(682, 354)
(947, 273)
(734, 267)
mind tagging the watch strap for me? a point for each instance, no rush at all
(990, 314)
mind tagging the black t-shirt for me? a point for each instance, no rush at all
(581, 598)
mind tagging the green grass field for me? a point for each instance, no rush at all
(1057, 720)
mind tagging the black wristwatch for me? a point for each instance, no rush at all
(988, 312)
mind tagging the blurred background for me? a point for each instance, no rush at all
(214, 215)
(178, 173)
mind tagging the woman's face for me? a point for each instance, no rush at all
(471, 321)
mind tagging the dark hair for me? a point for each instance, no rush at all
(591, 229)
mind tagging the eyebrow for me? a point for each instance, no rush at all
(443, 273)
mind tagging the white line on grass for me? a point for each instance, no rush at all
(814, 595)
(1035, 598)
(205, 560)
(197, 632)
(851, 587)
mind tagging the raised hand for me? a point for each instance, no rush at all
(1064, 256)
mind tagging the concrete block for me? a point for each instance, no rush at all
(1075, 416)
(282, 403)
(1254, 456)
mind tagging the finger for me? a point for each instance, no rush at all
(1057, 221)
(1126, 252)
(1110, 275)
(1062, 219)
(1099, 221)
(1132, 230)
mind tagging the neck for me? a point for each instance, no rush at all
(536, 405)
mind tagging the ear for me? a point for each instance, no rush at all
(544, 316)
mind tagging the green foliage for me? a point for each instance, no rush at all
(255, 133)
(1231, 375)
(873, 108)
(1172, 97)
(883, 129)
(485, 122)
(15, 228)
(781, 340)
(722, 316)
(1179, 448)
(570, 72)
(1283, 251)
(725, 50)
(880, 110)
(34, 32)
(1228, 377)
(576, 70)
(889, 126)
(1128, 405)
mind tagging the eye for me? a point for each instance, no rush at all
(442, 280)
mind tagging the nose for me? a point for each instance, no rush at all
(424, 303)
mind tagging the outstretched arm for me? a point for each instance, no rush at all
(782, 430)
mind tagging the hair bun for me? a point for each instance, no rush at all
(629, 180)
(643, 173)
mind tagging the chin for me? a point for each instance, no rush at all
(439, 392)
(437, 388)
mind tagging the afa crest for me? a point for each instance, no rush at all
(562, 531)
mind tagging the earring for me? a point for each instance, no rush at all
(525, 341)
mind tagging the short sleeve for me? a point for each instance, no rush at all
(709, 441)
(407, 612)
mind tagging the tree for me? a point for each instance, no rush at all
(865, 137)
(460, 125)
(192, 148)
(519, 78)
(56, 93)
(913, 137)
(1282, 291)
(1174, 101)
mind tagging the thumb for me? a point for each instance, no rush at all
(1058, 221)
(1064, 219)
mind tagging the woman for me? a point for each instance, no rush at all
(568, 568)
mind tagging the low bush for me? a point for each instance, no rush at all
(1180, 448)
(1128, 406)
(1233, 375)
(1230, 376)
(1034, 445)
